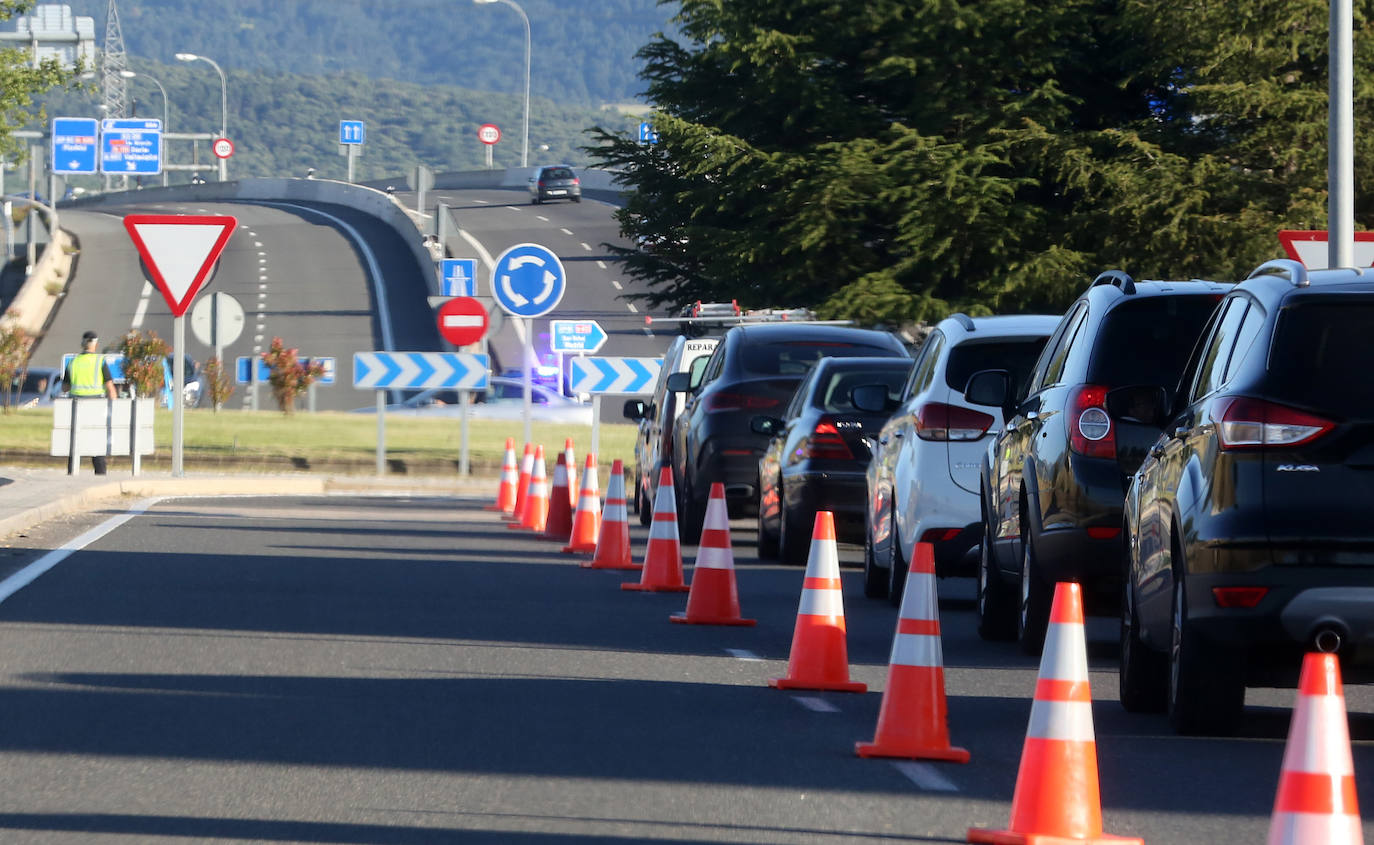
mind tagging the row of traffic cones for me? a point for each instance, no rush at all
(1056, 798)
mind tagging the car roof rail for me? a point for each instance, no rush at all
(1117, 278)
(964, 321)
(1296, 271)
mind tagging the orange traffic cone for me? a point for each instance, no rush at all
(587, 517)
(558, 525)
(537, 499)
(570, 461)
(613, 540)
(505, 494)
(1057, 798)
(912, 721)
(820, 654)
(713, 599)
(663, 556)
(1316, 798)
(522, 483)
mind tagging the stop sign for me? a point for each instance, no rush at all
(462, 320)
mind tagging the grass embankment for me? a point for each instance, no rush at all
(259, 441)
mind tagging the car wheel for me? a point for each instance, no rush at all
(1206, 686)
(691, 518)
(577, 199)
(875, 579)
(646, 507)
(534, 200)
(996, 609)
(1143, 678)
(768, 540)
(794, 534)
(1034, 613)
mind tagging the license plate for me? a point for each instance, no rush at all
(557, 193)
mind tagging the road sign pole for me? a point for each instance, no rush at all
(465, 399)
(381, 432)
(352, 151)
(529, 361)
(178, 404)
(596, 424)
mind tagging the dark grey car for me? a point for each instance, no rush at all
(554, 182)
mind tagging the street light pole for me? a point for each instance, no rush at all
(223, 105)
(166, 123)
(525, 145)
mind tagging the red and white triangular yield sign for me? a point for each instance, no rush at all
(1312, 248)
(179, 250)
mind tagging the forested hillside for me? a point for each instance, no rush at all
(582, 50)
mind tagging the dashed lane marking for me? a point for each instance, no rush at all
(815, 705)
(541, 217)
(617, 285)
(601, 265)
(586, 246)
(925, 776)
(566, 231)
(743, 654)
(631, 306)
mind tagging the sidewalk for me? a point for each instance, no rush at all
(30, 495)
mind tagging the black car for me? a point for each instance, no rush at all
(554, 182)
(754, 370)
(817, 455)
(1053, 482)
(1248, 530)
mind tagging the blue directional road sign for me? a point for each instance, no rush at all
(527, 280)
(75, 144)
(458, 276)
(351, 132)
(131, 146)
(242, 375)
(419, 370)
(647, 135)
(584, 336)
(614, 375)
(330, 369)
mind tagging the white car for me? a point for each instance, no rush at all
(923, 478)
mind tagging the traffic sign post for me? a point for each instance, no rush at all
(75, 143)
(528, 280)
(179, 252)
(490, 135)
(579, 336)
(462, 321)
(131, 147)
(599, 376)
(1312, 248)
(222, 148)
(217, 321)
(383, 371)
(458, 277)
(352, 134)
(647, 135)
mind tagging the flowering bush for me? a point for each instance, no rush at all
(143, 362)
(218, 383)
(14, 356)
(289, 377)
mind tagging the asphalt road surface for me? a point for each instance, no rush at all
(394, 670)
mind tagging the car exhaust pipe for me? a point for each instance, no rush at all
(1327, 639)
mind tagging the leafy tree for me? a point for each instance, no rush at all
(21, 82)
(219, 384)
(15, 344)
(289, 377)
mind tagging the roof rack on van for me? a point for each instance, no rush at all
(1119, 278)
(964, 320)
(1296, 271)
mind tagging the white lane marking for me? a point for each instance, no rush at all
(617, 285)
(30, 573)
(566, 231)
(925, 776)
(742, 654)
(631, 306)
(815, 705)
(262, 277)
(541, 217)
(480, 202)
(586, 246)
(141, 311)
(257, 243)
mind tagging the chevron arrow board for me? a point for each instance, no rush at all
(419, 370)
(614, 375)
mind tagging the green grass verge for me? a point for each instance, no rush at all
(325, 438)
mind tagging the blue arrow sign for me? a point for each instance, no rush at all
(419, 370)
(351, 132)
(576, 336)
(528, 280)
(242, 375)
(647, 135)
(632, 376)
(75, 143)
(459, 276)
(131, 146)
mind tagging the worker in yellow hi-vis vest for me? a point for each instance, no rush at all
(87, 376)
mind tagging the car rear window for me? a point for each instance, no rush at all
(833, 396)
(1319, 352)
(1017, 356)
(795, 359)
(1148, 341)
(558, 173)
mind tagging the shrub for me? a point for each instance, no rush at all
(14, 356)
(218, 382)
(289, 377)
(144, 355)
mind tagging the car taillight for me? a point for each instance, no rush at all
(1245, 423)
(1091, 432)
(1239, 596)
(826, 443)
(938, 421)
(717, 402)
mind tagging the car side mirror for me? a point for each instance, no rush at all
(765, 425)
(635, 409)
(679, 382)
(870, 398)
(1142, 403)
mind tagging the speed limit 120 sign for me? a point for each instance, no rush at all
(223, 147)
(489, 133)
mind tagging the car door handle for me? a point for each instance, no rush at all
(1032, 415)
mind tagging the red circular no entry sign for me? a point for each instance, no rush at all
(462, 321)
